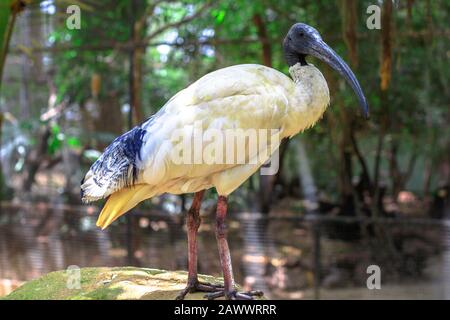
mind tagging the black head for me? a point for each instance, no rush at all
(303, 40)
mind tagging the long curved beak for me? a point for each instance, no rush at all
(323, 52)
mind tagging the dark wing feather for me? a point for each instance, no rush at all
(116, 168)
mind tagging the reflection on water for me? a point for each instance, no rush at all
(273, 255)
(257, 245)
(446, 260)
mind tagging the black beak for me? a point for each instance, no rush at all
(323, 52)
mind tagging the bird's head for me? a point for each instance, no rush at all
(303, 40)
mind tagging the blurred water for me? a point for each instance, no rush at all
(446, 259)
(275, 255)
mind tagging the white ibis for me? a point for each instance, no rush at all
(138, 165)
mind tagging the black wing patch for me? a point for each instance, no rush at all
(117, 166)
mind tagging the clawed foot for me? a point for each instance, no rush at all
(197, 286)
(234, 295)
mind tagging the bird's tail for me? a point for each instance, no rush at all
(122, 201)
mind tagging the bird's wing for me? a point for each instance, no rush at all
(243, 96)
(116, 168)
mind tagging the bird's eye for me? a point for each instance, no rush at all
(302, 34)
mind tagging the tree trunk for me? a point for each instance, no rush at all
(136, 57)
(35, 158)
(263, 38)
(349, 21)
(266, 183)
(385, 77)
(349, 15)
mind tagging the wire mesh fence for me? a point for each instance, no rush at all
(290, 257)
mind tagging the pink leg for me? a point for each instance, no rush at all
(222, 243)
(193, 223)
(229, 290)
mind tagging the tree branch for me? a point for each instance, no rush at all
(186, 19)
(125, 46)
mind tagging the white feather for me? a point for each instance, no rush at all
(244, 96)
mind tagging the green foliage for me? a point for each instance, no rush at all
(416, 109)
(225, 34)
(55, 140)
(5, 14)
(58, 139)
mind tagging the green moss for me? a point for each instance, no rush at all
(53, 286)
(109, 284)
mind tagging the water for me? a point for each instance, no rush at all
(446, 260)
(274, 255)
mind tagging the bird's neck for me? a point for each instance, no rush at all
(298, 71)
(310, 99)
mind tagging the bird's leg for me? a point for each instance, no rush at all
(193, 223)
(229, 290)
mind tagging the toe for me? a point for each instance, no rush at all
(207, 287)
(215, 295)
(242, 296)
(256, 293)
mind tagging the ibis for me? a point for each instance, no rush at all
(140, 164)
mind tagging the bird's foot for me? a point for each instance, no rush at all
(234, 295)
(197, 286)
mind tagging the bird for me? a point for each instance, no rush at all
(139, 164)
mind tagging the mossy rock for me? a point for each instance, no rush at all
(110, 284)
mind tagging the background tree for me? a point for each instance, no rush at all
(137, 54)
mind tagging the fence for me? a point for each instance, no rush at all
(312, 256)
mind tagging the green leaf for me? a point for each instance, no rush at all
(219, 15)
(5, 30)
(54, 145)
(55, 129)
(73, 142)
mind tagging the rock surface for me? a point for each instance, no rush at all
(109, 284)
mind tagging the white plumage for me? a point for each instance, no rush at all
(246, 96)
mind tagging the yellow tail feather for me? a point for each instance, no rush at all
(122, 201)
